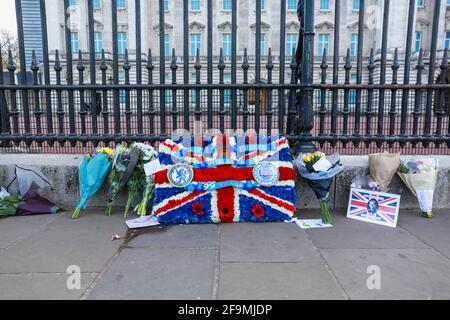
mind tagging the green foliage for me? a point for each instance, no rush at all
(403, 168)
(141, 208)
(8, 206)
(135, 186)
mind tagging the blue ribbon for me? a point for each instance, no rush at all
(256, 147)
(209, 186)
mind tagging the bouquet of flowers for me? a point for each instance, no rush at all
(383, 167)
(26, 186)
(93, 171)
(319, 171)
(125, 161)
(420, 176)
(138, 182)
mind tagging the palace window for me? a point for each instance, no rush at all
(122, 42)
(324, 43)
(195, 44)
(98, 41)
(74, 38)
(291, 43)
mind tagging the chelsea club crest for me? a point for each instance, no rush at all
(180, 175)
(266, 174)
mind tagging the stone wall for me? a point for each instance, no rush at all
(62, 170)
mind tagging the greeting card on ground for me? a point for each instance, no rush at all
(312, 224)
(225, 179)
(142, 222)
(373, 207)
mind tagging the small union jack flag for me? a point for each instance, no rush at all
(374, 207)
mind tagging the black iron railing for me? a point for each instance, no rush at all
(88, 97)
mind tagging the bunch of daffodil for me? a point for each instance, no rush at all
(319, 181)
(108, 151)
(313, 157)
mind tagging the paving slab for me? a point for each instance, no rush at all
(85, 242)
(269, 242)
(41, 286)
(277, 281)
(13, 229)
(171, 273)
(404, 273)
(352, 234)
(176, 236)
(257, 261)
(434, 232)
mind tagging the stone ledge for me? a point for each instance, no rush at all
(63, 171)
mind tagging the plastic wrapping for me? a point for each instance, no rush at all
(320, 181)
(382, 167)
(420, 176)
(25, 197)
(321, 175)
(93, 172)
(27, 181)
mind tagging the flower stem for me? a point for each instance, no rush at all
(326, 217)
(76, 213)
(130, 199)
(109, 209)
(427, 214)
(140, 209)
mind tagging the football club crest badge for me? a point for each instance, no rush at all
(266, 174)
(180, 175)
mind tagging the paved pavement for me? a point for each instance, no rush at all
(233, 261)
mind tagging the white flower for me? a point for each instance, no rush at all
(148, 150)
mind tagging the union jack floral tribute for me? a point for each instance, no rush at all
(225, 179)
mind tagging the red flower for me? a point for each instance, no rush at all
(226, 212)
(258, 211)
(197, 208)
(225, 204)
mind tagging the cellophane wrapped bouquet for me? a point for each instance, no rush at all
(138, 182)
(420, 176)
(94, 169)
(382, 168)
(320, 171)
(125, 160)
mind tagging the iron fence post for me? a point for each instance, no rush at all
(305, 63)
(23, 74)
(4, 113)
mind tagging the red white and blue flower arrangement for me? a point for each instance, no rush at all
(225, 179)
